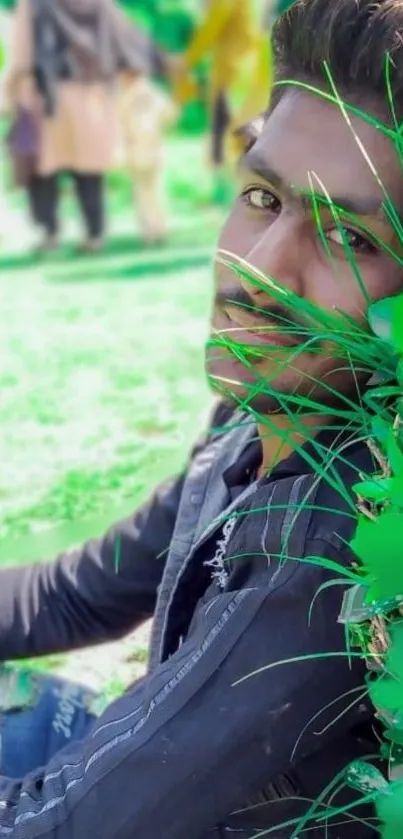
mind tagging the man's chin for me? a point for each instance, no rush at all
(243, 399)
(240, 387)
(260, 392)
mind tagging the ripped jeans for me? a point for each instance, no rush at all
(39, 715)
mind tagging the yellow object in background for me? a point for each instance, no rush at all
(254, 95)
(228, 34)
(185, 89)
(236, 34)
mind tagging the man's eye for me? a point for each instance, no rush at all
(261, 199)
(357, 242)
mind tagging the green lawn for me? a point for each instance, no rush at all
(101, 378)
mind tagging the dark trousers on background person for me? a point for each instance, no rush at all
(221, 119)
(44, 194)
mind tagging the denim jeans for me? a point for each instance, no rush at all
(39, 715)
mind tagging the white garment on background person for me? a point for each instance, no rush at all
(146, 112)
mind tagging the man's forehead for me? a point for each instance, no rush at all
(307, 145)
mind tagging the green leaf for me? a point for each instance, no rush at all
(378, 544)
(380, 429)
(390, 807)
(380, 318)
(380, 490)
(387, 695)
(391, 832)
(395, 454)
(397, 322)
(395, 735)
(395, 761)
(374, 490)
(365, 777)
(394, 658)
(399, 371)
(396, 490)
(386, 320)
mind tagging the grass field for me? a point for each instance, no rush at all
(101, 378)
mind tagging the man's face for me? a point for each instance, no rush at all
(306, 144)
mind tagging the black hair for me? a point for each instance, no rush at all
(355, 37)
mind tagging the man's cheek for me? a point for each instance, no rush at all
(234, 233)
(226, 237)
(236, 244)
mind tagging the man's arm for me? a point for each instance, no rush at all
(95, 593)
(176, 754)
(99, 591)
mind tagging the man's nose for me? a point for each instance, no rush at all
(278, 255)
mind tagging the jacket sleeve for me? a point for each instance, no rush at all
(210, 29)
(99, 591)
(93, 594)
(179, 752)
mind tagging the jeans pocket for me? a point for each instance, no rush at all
(39, 719)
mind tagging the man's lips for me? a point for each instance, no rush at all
(250, 332)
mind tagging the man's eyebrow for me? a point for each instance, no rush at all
(369, 205)
(254, 162)
(357, 206)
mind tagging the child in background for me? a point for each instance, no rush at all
(146, 112)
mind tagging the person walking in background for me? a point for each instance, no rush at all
(73, 50)
(231, 34)
(146, 111)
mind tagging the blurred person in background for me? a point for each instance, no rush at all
(231, 34)
(73, 51)
(146, 111)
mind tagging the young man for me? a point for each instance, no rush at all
(250, 707)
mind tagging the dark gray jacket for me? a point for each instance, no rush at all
(179, 755)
